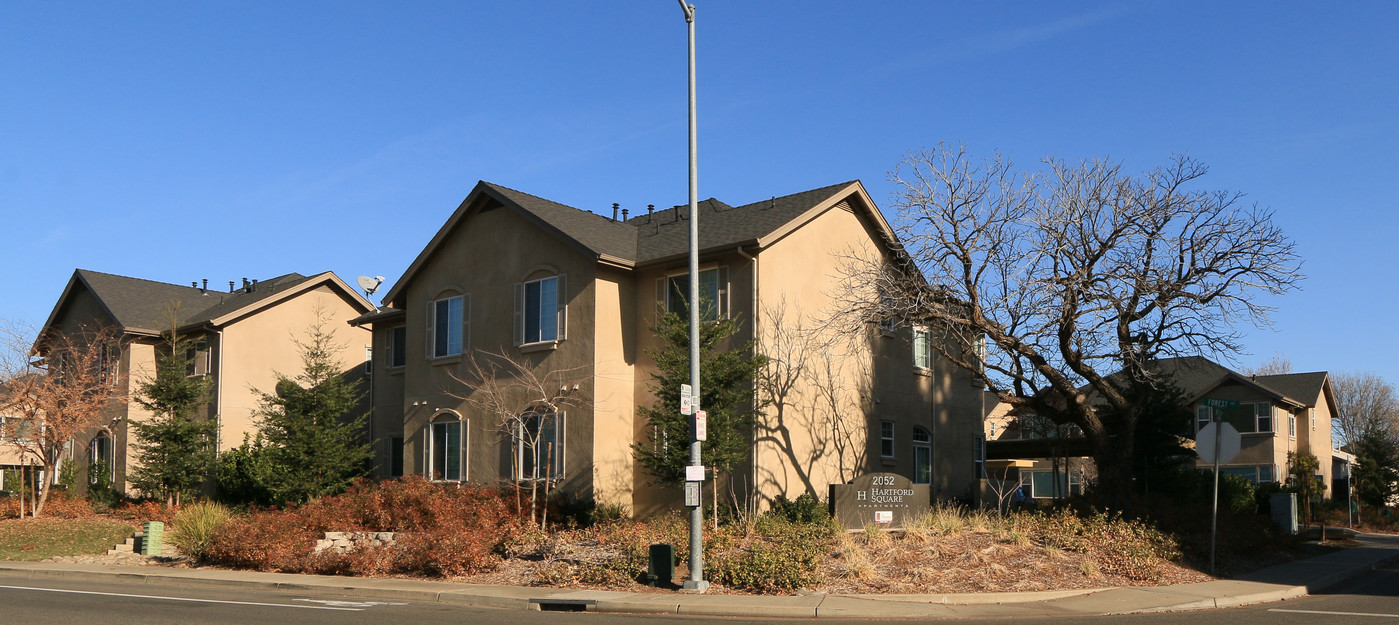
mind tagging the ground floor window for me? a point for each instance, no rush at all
(922, 456)
(395, 456)
(445, 451)
(100, 469)
(540, 446)
(1260, 474)
(1048, 484)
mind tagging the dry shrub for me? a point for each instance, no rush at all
(1130, 548)
(272, 540)
(441, 530)
(192, 529)
(145, 510)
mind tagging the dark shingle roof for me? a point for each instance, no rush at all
(1304, 388)
(143, 305)
(665, 234)
(593, 231)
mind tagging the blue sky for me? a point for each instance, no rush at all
(177, 141)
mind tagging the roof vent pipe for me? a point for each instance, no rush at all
(245, 283)
(624, 214)
(650, 208)
(614, 210)
(194, 285)
(230, 286)
(204, 290)
(254, 286)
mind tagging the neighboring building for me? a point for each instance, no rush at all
(1276, 414)
(564, 289)
(241, 339)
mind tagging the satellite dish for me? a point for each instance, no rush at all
(370, 285)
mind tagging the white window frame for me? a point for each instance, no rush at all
(431, 454)
(672, 301)
(461, 326)
(887, 435)
(1203, 417)
(396, 350)
(95, 456)
(922, 456)
(1263, 411)
(369, 359)
(887, 324)
(539, 452)
(1292, 425)
(560, 313)
(922, 338)
(197, 358)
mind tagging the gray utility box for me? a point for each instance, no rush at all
(1284, 511)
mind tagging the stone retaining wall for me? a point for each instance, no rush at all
(345, 542)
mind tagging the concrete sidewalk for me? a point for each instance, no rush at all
(1287, 581)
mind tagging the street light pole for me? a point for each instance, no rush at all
(696, 583)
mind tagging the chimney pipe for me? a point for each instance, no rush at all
(245, 283)
(194, 285)
(254, 286)
(230, 286)
(624, 214)
(614, 211)
(650, 208)
(204, 290)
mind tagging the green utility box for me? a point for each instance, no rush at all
(152, 538)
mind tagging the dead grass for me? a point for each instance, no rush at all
(43, 538)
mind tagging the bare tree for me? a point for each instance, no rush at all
(51, 400)
(1047, 282)
(1277, 365)
(1365, 405)
(526, 404)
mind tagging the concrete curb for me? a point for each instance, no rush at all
(1278, 584)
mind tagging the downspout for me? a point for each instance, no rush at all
(757, 324)
(218, 398)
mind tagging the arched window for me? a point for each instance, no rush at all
(922, 456)
(445, 449)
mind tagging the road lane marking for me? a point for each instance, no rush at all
(349, 604)
(157, 597)
(1334, 613)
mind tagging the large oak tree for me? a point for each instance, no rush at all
(1050, 280)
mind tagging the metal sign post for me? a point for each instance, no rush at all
(1217, 443)
(696, 583)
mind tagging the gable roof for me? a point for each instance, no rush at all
(141, 306)
(657, 236)
(1197, 375)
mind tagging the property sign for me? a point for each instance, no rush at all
(692, 494)
(886, 499)
(694, 473)
(687, 399)
(1226, 404)
(701, 425)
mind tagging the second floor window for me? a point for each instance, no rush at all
(886, 439)
(713, 293)
(445, 324)
(922, 348)
(197, 358)
(397, 347)
(540, 310)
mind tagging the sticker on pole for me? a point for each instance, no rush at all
(687, 400)
(701, 425)
(692, 494)
(694, 473)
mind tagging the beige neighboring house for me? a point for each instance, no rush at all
(564, 289)
(13, 459)
(240, 339)
(1276, 414)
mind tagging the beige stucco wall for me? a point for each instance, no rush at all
(249, 353)
(614, 404)
(826, 428)
(484, 256)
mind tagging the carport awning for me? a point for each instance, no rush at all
(1037, 448)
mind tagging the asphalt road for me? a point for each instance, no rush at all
(1372, 599)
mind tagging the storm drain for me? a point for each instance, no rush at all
(564, 605)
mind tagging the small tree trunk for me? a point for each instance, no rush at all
(1114, 460)
(548, 476)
